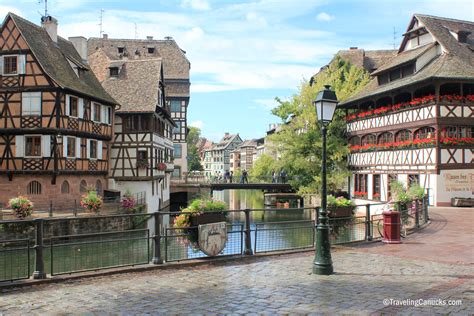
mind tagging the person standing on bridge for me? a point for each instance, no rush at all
(243, 178)
(274, 176)
(231, 176)
(283, 176)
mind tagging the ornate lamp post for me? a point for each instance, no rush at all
(325, 103)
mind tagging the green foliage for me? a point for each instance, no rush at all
(194, 161)
(416, 191)
(339, 201)
(22, 207)
(263, 166)
(202, 205)
(399, 192)
(300, 143)
(91, 201)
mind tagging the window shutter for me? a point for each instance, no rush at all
(67, 105)
(99, 150)
(65, 146)
(88, 153)
(80, 109)
(21, 64)
(1, 65)
(20, 146)
(78, 147)
(46, 144)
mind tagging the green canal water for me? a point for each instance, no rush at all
(133, 248)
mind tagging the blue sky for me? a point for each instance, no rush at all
(245, 53)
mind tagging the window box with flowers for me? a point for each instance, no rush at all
(376, 197)
(453, 141)
(398, 145)
(92, 202)
(360, 194)
(340, 207)
(161, 166)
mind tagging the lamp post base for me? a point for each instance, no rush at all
(323, 269)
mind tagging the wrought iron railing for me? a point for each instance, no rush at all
(53, 246)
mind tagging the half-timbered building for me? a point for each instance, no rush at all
(176, 69)
(55, 117)
(414, 121)
(141, 153)
(217, 158)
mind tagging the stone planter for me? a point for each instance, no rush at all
(462, 202)
(340, 211)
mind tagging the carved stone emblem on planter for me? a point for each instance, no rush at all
(212, 238)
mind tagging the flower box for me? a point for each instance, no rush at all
(340, 211)
(206, 218)
(462, 202)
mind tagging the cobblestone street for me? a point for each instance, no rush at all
(363, 280)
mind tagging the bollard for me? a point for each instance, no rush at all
(157, 240)
(75, 208)
(51, 208)
(425, 208)
(368, 231)
(39, 265)
(248, 242)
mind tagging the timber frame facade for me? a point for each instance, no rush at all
(55, 119)
(414, 122)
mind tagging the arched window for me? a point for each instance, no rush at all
(424, 132)
(354, 141)
(368, 139)
(98, 187)
(34, 187)
(384, 138)
(403, 135)
(65, 187)
(83, 187)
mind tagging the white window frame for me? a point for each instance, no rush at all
(20, 64)
(31, 96)
(89, 146)
(68, 106)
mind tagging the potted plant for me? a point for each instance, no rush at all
(161, 166)
(128, 202)
(199, 212)
(91, 201)
(22, 207)
(340, 206)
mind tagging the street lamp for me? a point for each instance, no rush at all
(325, 103)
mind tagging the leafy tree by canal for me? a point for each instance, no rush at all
(194, 162)
(299, 141)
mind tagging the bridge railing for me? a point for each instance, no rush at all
(199, 178)
(46, 247)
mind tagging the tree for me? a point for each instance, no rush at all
(299, 141)
(263, 166)
(194, 161)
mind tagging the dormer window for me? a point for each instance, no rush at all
(121, 50)
(114, 72)
(151, 50)
(396, 73)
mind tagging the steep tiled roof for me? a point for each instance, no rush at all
(455, 62)
(367, 59)
(53, 58)
(175, 63)
(226, 140)
(136, 88)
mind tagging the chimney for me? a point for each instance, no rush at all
(105, 36)
(353, 48)
(168, 38)
(50, 24)
(149, 38)
(227, 134)
(80, 44)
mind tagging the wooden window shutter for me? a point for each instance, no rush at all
(67, 104)
(80, 110)
(78, 147)
(99, 150)
(103, 113)
(21, 64)
(46, 144)
(1, 65)
(19, 146)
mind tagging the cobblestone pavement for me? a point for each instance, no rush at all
(363, 280)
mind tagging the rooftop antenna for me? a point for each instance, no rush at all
(45, 6)
(394, 38)
(100, 24)
(136, 31)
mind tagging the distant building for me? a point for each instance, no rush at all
(56, 125)
(413, 122)
(217, 158)
(176, 82)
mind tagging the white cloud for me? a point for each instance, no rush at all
(324, 17)
(267, 104)
(200, 5)
(5, 9)
(199, 124)
(253, 17)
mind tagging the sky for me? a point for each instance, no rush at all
(243, 54)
